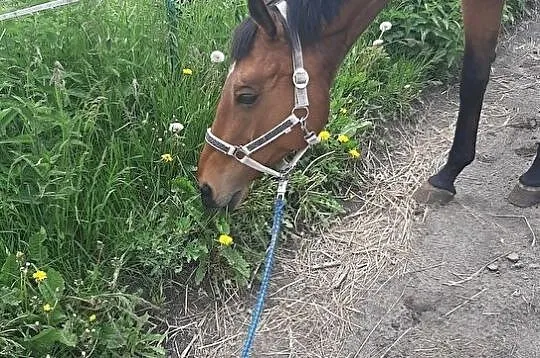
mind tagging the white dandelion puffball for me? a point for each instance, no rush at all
(217, 57)
(385, 26)
(378, 42)
(175, 127)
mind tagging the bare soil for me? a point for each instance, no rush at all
(396, 280)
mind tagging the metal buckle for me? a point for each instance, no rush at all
(300, 78)
(311, 138)
(236, 151)
(297, 110)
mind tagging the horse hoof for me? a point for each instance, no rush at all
(429, 194)
(524, 196)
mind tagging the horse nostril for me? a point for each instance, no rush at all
(206, 196)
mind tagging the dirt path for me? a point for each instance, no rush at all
(394, 280)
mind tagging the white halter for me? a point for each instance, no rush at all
(299, 115)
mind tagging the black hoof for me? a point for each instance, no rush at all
(429, 194)
(524, 196)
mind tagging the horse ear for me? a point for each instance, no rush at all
(259, 13)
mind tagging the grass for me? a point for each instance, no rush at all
(87, 94)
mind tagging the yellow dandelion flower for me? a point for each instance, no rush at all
(187, 71)
(47, 307)
(92, 318)
(225, 240)
(324, 135)
(167, 158)
(355, 154)
(343, 138)
(343, 110)
(39, 276)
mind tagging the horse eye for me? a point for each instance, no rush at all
(246, 98)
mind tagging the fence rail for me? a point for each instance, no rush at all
(35, 9)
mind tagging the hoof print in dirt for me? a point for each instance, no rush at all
(524, 196)
(428, 194)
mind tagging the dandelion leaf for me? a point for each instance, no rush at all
(10, 271)
(38, 251)
(53, 287)
(46, 339)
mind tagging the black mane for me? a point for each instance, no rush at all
(307, 17)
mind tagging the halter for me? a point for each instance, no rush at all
(298, 116)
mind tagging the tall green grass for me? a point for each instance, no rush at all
(87, 94)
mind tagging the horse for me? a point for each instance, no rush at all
(285, 58)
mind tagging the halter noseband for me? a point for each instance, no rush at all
(299, 115)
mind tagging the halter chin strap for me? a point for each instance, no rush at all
(298, 116)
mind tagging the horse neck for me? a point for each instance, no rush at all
(341, 34)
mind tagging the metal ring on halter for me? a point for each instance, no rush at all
(300, 78)
(237, 151)
(296, 110)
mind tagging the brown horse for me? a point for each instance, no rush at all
(259, 93)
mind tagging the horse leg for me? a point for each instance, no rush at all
(481, 19)
(527, 191)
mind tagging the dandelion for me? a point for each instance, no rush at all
(378, 42)
(92, 318)
(217, 57)
(47, 307)
(225, 240)
(343, 138)
(324, 135)
(175, 127)
(343, 110)
(167, 158)
(355, 154)
(187, 71)
(39, 276)
(385, 26)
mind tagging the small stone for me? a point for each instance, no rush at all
(534, 266)
(518, 265)
(493, 267)
(514, 257)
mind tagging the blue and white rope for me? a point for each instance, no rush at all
(279, 207)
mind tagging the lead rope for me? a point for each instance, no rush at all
(279, 206)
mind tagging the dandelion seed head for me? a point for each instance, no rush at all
(176, 127)
(217, 57)
(385, 26)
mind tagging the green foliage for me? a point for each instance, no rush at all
(43, 314)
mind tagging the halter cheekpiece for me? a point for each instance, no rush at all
(298, 116)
